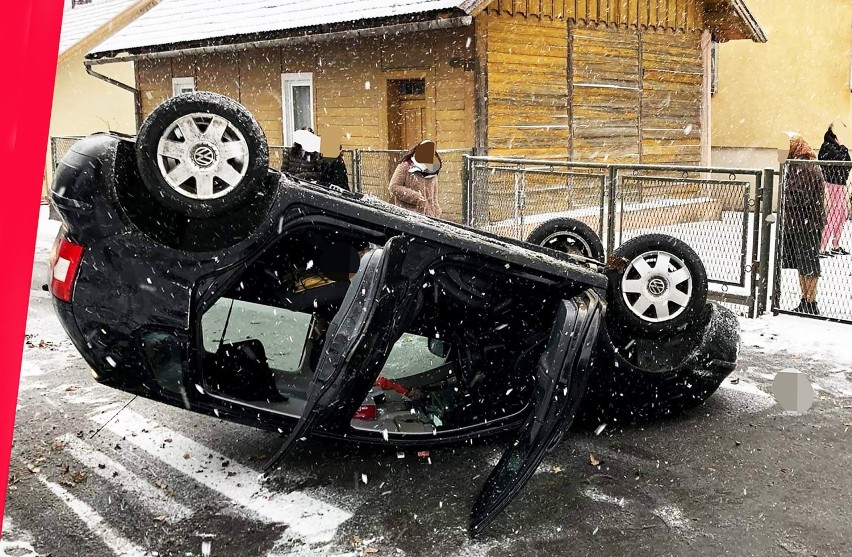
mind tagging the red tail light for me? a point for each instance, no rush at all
(64, 262)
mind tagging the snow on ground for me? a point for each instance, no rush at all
(806, 338)
(47, 230)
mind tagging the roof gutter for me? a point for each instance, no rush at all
(368, 32)
(137, 95)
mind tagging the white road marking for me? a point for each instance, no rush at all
(20, 547)
(154, 500)
(29, 369)
(308, 551)
(314, 521)
(95, 522)
(113, 406)
(27, 386)
(84, 395)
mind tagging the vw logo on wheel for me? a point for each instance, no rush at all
(656, 286)
(204, 156)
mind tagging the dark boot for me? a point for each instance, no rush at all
(812, 308)
(801, 307)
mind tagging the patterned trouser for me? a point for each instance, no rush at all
(837, 213)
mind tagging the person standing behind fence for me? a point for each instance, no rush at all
(835, 185)
(804, 220)
(414, 185)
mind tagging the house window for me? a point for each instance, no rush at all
(181, 85)
(714, 67)
(298, 103)
(411, 87)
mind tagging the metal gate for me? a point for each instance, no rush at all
(721, 213)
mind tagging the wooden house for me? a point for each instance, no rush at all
(590, 80)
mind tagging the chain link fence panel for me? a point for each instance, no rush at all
(715, 211)
(714, 215)
(512, 199)
(59, 146)
(813, 268)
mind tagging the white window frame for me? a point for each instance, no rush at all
(180, 84)
(288, 81)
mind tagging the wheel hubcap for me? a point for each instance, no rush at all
(657, 286)
(202, 156)
(568, 242)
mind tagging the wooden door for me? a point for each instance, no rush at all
(412, 120)
(406, 113)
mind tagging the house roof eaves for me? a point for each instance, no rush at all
(144, 35)
(109, 27)
(757, 33)
(243, 43)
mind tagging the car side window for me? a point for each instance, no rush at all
(282, 332)
(410, 356)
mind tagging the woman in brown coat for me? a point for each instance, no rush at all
(413, 187)
(804, 220)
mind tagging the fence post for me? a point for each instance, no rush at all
(358, 185)
(766, 266)
(466, 188)
(517, 215)
(756, 263)
(612, 189)
(779, 247)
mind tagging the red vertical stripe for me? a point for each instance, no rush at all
(29, 43)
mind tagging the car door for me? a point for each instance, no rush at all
(562, 373)
(376, 310)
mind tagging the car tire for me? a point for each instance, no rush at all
(202, 154)
(568, 236)
(657, 285)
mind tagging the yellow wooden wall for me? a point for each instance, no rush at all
(606, 89)
(350, 83)
(673, 74)
(594, 80)
(527, 86)
(590, 80)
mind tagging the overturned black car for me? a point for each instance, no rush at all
(189, 272)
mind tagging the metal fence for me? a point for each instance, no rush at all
(58, 147)
(811, 277)
(717, 211)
